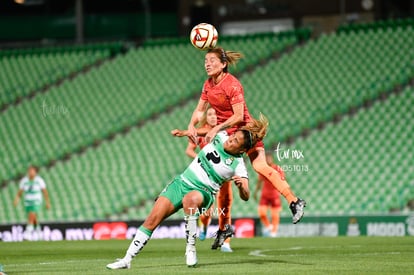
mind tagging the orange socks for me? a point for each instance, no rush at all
(224, 202)
(275, 219)
(263, 216)
(274, 177)
(205, 219)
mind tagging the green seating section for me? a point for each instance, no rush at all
(328, 76)
(344, 167)
(24, 71)
(378, 25)
(127, 171)
(107, 99)
(256, 47)
(363, 164)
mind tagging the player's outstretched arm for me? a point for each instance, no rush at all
(195, 118)
(17, 198)
(46, 196)
(243, 186)
(201, 132)
(179, 133)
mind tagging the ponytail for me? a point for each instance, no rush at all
(229, 57)
(255, 130)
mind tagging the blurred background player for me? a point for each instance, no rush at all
(33, 189)
(225, 94)
(269, 200)
(207, 122)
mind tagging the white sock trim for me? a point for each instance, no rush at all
(191, 228)
(137, 244)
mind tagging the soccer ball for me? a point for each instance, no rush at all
(204, 36)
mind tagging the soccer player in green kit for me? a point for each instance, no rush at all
(33, 189)
(195, 189)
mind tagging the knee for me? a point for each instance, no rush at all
(192, 200)
(262, 212)
(151, 222)
(32, 216)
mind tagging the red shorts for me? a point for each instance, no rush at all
(252, 153)
(272, 201)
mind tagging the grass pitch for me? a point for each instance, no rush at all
(342, 255)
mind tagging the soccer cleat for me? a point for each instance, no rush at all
(191, 256)
(222, 235)
(119, 264)
(203, 235)
(297, 210)
(226, 248)
(273, 234)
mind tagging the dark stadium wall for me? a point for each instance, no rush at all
(117, 26)
(311, 226)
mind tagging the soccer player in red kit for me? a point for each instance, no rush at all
(225, 94)
(269, 199)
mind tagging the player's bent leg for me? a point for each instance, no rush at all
(163, 208)
(297, 209)
(191, 234)
(192, 202)
(260, 165)
(205, 220)
(224, 203)
(275, 211)
(31, 223)
(262, 211)
(296, 205)
(267, 227)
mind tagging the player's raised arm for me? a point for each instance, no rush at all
(195, 118)
(243, 186)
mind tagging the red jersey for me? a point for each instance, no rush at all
(268, 190)
(201, 142)
(223, 95)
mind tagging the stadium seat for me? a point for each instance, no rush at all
(346, 159)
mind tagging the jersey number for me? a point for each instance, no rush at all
(213, 156)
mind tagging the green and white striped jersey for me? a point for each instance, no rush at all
(213, 166)
(32, 190)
